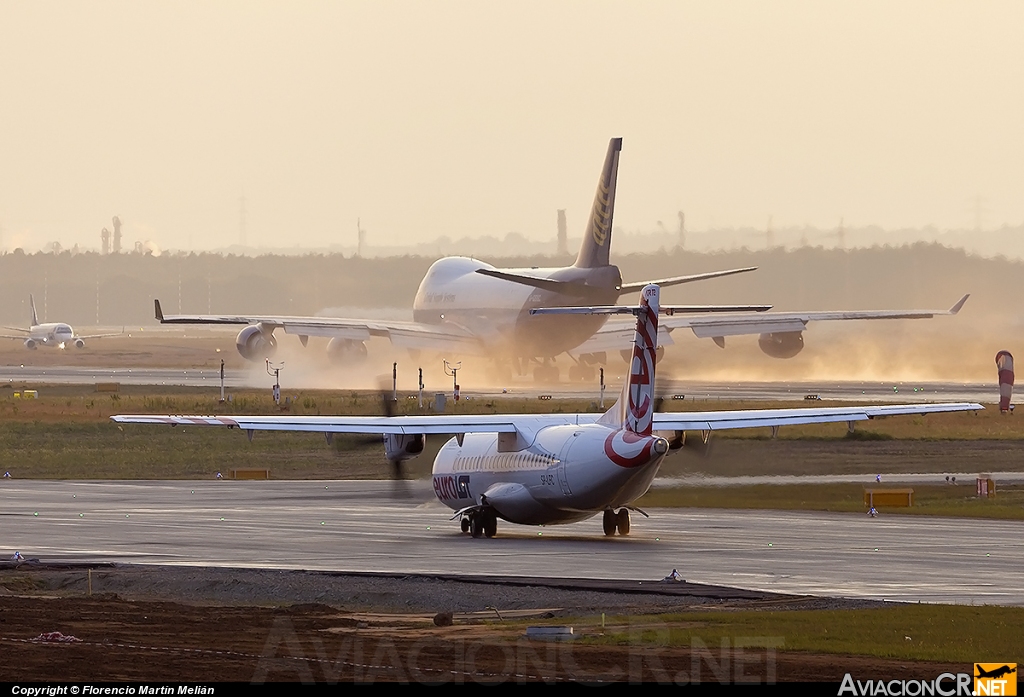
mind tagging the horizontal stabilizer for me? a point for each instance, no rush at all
(576, 288)
(676, 280)
(634, 309)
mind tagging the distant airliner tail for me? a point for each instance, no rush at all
(32, 304)
(597, 239)
(634, 410)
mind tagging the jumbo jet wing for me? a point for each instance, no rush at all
(614, 335)
(512, 423)
(413, 335)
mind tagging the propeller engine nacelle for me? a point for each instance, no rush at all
(402, 447)
(342, 351)
(30, 344)
(79, 343)
(781, 344)
(254, 344)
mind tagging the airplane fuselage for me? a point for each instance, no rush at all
(498, 311)
(54, 334)
(568, 473)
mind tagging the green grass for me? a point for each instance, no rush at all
(104, 451)
(947, 633)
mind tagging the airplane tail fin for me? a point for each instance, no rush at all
(597, 239)
(634, 409)
(32, 304)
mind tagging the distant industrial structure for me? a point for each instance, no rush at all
(105, 238)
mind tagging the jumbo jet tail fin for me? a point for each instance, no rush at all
(634, 409)
(32, 304)
(597, 239)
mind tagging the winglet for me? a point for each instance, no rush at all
(159, 312)
(956, 308)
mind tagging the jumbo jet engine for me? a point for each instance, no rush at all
(254, 344)
(30, 344)
(781, 344)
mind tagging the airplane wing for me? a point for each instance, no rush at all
(614, 335)
(98, 336)
(413, 335)
(16, 329)
(428, 423)
(512, 423)
(754, 418)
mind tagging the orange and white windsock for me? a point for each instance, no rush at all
(1004, 361)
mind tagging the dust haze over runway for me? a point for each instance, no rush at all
(894, 392)
(359, 526)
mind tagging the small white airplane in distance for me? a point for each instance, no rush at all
(55, 334)
(544, 469)
(465, 307)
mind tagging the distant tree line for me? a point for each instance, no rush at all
(121, 287)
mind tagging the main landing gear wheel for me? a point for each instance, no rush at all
(609, 522)
(465, 524)
(490, 524)
(546, 374)
(581, 373)
(476, 528)
(622, 521)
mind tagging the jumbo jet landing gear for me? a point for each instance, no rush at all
(546, 373)
(616, 521)
(581, 373)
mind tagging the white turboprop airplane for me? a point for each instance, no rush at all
(554, 468)
(466, 307)
(55, 334)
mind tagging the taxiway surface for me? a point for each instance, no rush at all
(359, 526)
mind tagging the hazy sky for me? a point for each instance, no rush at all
(481, 118)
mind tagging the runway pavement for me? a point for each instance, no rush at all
(358, 526)
(709, 391)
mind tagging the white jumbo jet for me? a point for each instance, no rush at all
(465, 307)
(54, 334)
(547, 469)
